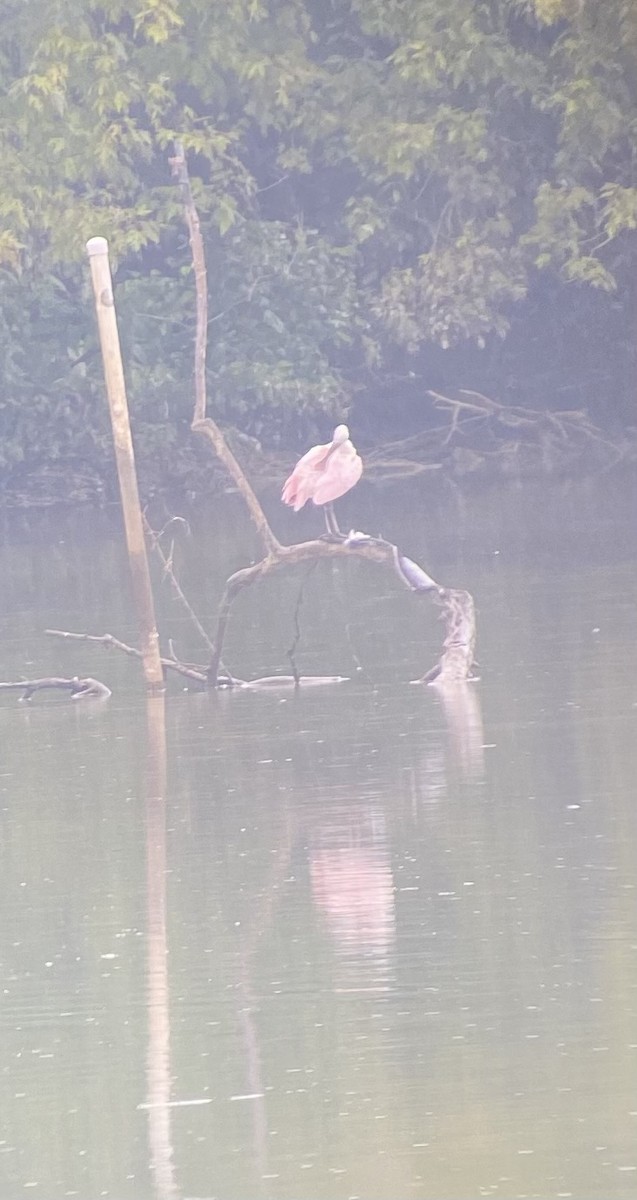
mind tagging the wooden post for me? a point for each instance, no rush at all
(97, 249)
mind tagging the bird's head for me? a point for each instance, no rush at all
(340, 435)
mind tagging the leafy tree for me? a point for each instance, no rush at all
(374, 177)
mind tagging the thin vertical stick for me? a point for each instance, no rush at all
(97, 249)
(179, 169)
(200, 422)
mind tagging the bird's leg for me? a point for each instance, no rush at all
(333, 531)
(330, 518)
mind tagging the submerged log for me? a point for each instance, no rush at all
(80, 689)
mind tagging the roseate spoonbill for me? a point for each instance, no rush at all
(323, 474)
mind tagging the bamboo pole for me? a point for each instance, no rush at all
(97, 250)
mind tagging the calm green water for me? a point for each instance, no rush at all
(364, 941)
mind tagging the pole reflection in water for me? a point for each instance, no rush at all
(249, 1009)
(158, 1057)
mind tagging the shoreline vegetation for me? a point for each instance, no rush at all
(425, 227)
(543, 445)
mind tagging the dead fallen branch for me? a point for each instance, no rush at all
(198, 674)
(477, 433)
(113, 643)
(80, 689)
(516, 436)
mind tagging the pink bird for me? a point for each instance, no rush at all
(324, 474)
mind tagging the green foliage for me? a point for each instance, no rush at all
(619, 209)
(459, 291)
(372, 175)
(50, 405)
(281, 291)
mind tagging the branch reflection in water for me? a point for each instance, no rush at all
(353, 887)
(354, 896)
(249, 1008)
(463, 714)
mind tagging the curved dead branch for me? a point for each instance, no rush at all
(456, 661)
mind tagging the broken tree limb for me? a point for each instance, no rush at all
(190, 671)
(79, 688)
(113, 643)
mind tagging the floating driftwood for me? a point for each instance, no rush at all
(80, 689)
(112, 643)
(189, 670)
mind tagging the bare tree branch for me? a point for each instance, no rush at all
(167, 564)
(190, 671)
(200, 422)
(113, 643)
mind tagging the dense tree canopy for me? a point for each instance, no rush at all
(380, 181)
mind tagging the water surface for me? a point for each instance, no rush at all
(362, 941)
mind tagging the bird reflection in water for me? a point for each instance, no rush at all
(353, 889)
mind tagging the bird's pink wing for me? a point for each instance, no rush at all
(341, 473)
(300, 485)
